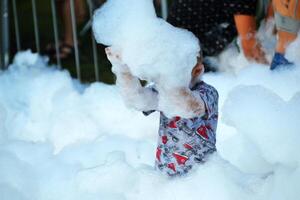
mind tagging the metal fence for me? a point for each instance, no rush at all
(5, 34)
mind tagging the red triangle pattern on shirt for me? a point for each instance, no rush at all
(164, 139)
(181, 159)
(171, 166)
(202, 131)
(158, 154)
(173, 123)
(187, 146)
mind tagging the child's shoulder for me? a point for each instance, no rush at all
(203, 87)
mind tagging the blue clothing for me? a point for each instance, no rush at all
(279, 60)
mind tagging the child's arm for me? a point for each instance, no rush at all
(181, 102)
(192, 102)
(133, 93)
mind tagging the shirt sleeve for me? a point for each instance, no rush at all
(210, 97)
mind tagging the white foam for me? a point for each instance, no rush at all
(63, 140)
(153, 49)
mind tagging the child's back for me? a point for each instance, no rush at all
(184, 142)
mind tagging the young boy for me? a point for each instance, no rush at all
(183, 141)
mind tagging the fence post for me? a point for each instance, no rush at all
(36, 26)
(16, 22)
(5, 34)
(74, 29)
(95, 54)
(55, 30)
(164, 8)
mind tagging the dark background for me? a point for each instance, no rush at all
(46, 34)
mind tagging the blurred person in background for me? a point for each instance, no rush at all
(217, 23)
(287, 20)
(66, 45)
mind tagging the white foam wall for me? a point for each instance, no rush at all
(63, 140)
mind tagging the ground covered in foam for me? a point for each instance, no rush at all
(60, 139)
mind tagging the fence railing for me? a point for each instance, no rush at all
(5, 31)
(4, 34)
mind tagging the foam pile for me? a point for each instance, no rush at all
(153, 49)
(60, 139)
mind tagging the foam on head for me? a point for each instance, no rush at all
(152, 48)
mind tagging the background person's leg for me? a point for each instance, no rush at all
(67, 43)
(80, 11)
(287, 19)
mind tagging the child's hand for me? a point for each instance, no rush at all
(254, 51)
(115, 58)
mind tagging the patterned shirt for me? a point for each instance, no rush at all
(184, 142)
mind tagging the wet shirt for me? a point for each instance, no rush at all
(183, 143)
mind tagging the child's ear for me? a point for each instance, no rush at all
(198, 69)
(195, 70)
